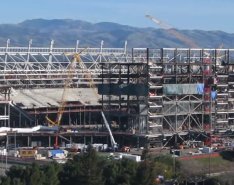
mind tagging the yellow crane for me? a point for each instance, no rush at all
(67, 83)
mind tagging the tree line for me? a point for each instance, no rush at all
(91, 169)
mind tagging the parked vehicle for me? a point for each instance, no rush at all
(125, 149)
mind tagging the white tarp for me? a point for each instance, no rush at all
(28, 130)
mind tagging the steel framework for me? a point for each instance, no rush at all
(126, 89)
(175, 103)
(46, 67)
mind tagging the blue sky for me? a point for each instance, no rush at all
(182, 14)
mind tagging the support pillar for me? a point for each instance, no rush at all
(7, 142)
(84, 140)
(107, 140)
(29, 141)
(49, 141)
(15, 140)
(70, 140)
(20, 120)
(91, 139)
(176, 139)
(138, 142)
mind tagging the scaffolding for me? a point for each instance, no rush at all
(190, 90)
(187, 89)
(46, 67)
(5, 106)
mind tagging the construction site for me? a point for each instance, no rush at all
(138, 97)
(133, 97)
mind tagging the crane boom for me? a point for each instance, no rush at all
(172, 31)
(62, 103)
(92, 85)
(69, 72)
(113, 143)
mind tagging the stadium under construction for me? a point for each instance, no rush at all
(148, 96)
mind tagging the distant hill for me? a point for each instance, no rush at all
(65, 32)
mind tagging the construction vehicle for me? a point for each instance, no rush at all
(67, 83)
(88, 75)
(125, 149)
(70, 70)
(113, 143)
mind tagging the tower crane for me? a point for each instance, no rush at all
(190, 43)
(172, 31)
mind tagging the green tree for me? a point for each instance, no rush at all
(84, 169)
(110, 172)
(31, 175)
(121, 172)
(145, 174)
(17, 181)
(128, 171)
(15, 175)
(34, 175)
(70, 173)
(15, 172)
(51, 174)
(145, 154)
(167, 166)
(164, 170)
(90, 173)
(5, 181)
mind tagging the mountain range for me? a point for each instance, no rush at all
(66, 32)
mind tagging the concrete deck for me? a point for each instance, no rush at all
(35, 98)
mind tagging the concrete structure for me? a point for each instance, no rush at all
(158, 93)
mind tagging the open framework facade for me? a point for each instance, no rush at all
(188, 89)
(191, 90)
